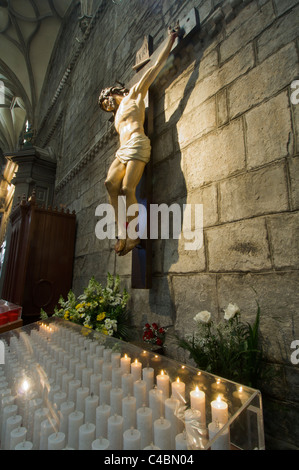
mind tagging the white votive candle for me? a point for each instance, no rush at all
(95, 380)
(91, 404)
(100, 444)
(115, 359)
(25, 445)
(198, 402)
(136, 368)
(12, 423)
(144, 417)
(127, 384)
(65, 381)
(163, 383)
(116, 377)
(86, 436)
(219, 410)
(102, 414)
(59, 398)
(115, 432)
(86, 374)
(17, 436)
(223, 440)
(107, 371)
(39, 416)
(172, 409)
(47, 427)
(56, 441)
(181, 441)
(97, 365)
(132, 439)
(75, 421)
(162, 433)
(148, 377)
(66, 409)
(178, 390)
(129, 412)
(140, 393)
(125, 364)
(116, 396)
(105, 388)
(156, 403)
(107, 354)
(81, 395)
(73, 387)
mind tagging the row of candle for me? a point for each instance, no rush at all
(85, 377)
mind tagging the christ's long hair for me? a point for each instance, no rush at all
(116, 90)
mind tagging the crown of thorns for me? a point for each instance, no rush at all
(114, 90)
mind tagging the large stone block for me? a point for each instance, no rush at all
(177, 259)
(269, 139)
(162, 146)
(168, 180)
(282, 6)
(249, 30)
(237, 66)
(284, 236)
(240, 246)
(204, 297)
(254, 193)
(283, 31)
(277, 294)
(294, 179)
(214, 156)
(197, 123)
(262, 82)
(208, 197)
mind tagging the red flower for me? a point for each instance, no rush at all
(155, 326)
(159, 342)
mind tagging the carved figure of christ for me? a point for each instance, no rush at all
(127, 168)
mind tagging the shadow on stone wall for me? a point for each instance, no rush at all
(174, 191)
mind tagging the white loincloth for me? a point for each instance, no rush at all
(137, 148)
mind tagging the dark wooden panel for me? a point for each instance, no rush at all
(40, 261)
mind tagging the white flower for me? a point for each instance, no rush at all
(230, 311)
(202, 317)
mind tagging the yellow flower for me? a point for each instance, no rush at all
(88, 326)
(85, 332)
(78, 306)
(104, 331)
(66, 315)
(101, 316)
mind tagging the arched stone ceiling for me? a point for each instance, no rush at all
(28, 32)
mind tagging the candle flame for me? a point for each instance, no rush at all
(178, 380)
(240, 389)
(218, 381)
(25, 385)
(162, 372)
(197, 389)
(126, 357)
(136, 361)
(218, 398)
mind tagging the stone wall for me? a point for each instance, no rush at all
(226, 136)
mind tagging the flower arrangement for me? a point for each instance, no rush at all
(229, 349)
(103, 309)
(154, 334)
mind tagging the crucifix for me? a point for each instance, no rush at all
(130, 173)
